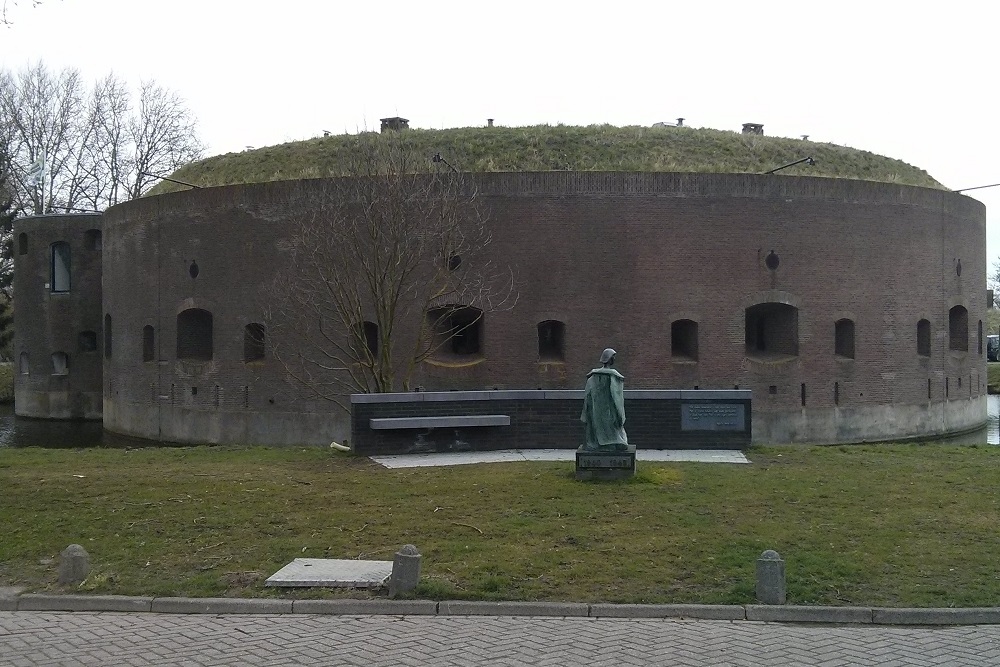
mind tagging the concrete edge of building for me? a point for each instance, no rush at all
(803, 614)
(56, 602)
(478, 608)
(366, 607)
(13, 599)
(221, 606)
(711, 612)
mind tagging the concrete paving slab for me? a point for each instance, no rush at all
(515, 455)
(51, 602)
(332, 572)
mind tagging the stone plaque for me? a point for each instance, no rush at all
(713, 417)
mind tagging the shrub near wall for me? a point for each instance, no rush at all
(6, 382)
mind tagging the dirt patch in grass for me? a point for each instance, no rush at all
(865, 525)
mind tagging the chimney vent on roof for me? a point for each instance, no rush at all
(489, 122)
(753, 128)
(394, 124)
(680, 122)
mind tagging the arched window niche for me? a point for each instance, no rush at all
(551, 337)
(457, 332)
(958, 329)
(771, 331)
(254, 342)
(924, 338)
(364, 341)
(60, 363)
(194, 335)
(843, 338)
(684, 340)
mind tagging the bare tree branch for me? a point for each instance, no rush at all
(375, 276)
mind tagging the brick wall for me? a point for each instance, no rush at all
(538, 420)
(616, 258)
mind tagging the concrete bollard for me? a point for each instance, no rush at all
(74, 564)
(405, 570)
(770, 578)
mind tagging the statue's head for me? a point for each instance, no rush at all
(608, 357)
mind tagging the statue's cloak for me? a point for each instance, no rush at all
(603, 414)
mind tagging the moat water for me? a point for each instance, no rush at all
(19, 432)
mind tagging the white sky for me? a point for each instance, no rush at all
(914, 80)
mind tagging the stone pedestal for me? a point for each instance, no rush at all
(605, 464)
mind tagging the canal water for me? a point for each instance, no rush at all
(19, 432)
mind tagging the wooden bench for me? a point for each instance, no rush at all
(447, 421)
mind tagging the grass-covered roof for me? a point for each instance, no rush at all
(562, 148)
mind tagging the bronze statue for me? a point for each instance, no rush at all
(603, 414)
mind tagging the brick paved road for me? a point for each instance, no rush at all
(86, 638)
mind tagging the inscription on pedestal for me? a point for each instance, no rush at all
(713, 417)
(605, 465)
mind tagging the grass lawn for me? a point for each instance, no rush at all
(888, 525)
(993, 377)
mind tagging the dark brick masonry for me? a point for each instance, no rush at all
(754, 275)
(538, 420)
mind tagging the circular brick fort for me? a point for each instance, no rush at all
(852, 310)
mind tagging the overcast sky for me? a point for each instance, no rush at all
(911, 80)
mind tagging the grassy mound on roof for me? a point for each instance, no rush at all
(561, 148)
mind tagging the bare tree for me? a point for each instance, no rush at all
(388, 268)
(98, 148)
(7, 5)
(41, 111)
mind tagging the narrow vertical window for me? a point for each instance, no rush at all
(148, 343)
(924, 338)
(836, 393)
(60, 274)
(958, 329)
(980, 343)
(22, 244)
(253, 342)
(107, 335)
(23, 365)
